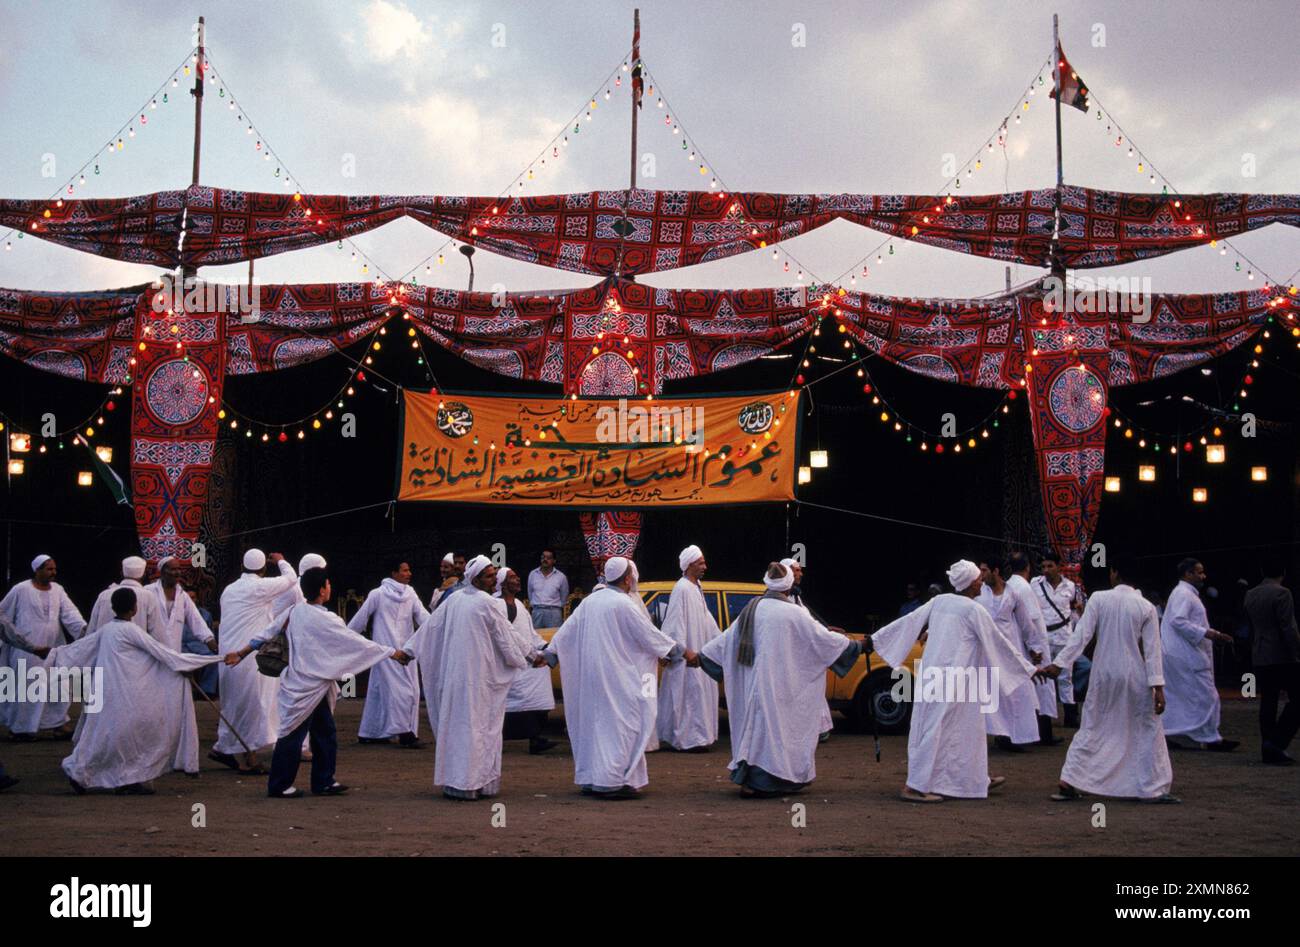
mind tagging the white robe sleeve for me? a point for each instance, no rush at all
(1180, 615)
(69, 616)
(1014, 669)
(1080, 635)
(81, 653)
(336, 650)
(503, 636)
(894, 642)
(9, 604)
(419, 614)
(359, 621)
(99, 614)
(1151, 648)
(172, 660)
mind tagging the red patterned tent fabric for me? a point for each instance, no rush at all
(1075, 357)
(626, 232)
(617, 338)
(86, 336)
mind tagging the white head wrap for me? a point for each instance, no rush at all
(790, 563)
(312, 560)
(40, 561)
(164, 560)
(689, 555)
(449, 558)
(962, 573)
(133, 567)
(475, 566)
(501, 577)
(615, 568)
(783, 584)
(254, 560)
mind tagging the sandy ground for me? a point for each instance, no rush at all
(1233, 805)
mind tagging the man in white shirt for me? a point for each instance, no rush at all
(1061, 603)
(548, 588)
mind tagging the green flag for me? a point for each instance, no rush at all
(115, 484)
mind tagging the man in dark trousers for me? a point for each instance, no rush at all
(1275, 654)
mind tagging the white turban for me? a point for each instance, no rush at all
(311, 561)
(790, 563)
(615, 568)
(164, 560)
(449, 558)
(40, 561)
(501, 577)
(133, 567)
(689, 555)
(475, 566)
(783, 584)
(962, 573)
(254, 560)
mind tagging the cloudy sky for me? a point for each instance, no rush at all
(387, 96)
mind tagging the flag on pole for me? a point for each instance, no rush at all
(638, 83)
(115, 484)
(1075, 92)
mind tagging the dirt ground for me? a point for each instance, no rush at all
(1232, 805)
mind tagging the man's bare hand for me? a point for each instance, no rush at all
(1158, 694)
(692, 658)
(274, 557)
(212, 645)
(232, 659)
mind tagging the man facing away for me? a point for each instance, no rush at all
(393, 611)
(41, 612)
(322, 649)
(687, 717)
(1120, 747)
(1015, 722)
(772, 661)
(1275, 656)
(607, 652)
(148, 616)
(947, 751)
(1187, 641)
(548, 588)
(530, 698)
(248, 698)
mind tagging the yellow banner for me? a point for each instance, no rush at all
(599, 453)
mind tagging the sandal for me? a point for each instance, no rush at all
(225, 759)
(996, 782)
(919, 797)
(1163, 798)
(1065, 793)
(254, 771)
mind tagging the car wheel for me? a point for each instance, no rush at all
(874, 696)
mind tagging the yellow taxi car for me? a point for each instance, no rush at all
(865, 688)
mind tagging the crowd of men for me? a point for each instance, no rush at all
(473, 654)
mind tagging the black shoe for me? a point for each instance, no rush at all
(225, 759)
(823, 737)
(540, 745)
(1223, 746)
(335, 789)
(1006, 746)
(372, 739)
(1071, 715)
(135, 789)
(409, 741)
(79, 789)
(1278, 758)
(8, 783)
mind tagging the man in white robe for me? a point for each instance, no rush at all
(180, 616)
(772, 661)
(41, 612)
(286, 600)
(469, 653)
(796, 596)
(1187, 641)
(393, 612)
(132, 739)
(148, 616)
(322, 649)
(634, 593)
(1015, 722)
(248, 698)
(531, 697)
(947, 750)
(1119, 749)
(1033, 636)
(688, 702)
(608, 652)
(1061, 603)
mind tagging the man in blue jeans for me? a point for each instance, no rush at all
(322, 649)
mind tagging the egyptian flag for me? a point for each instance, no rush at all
(107, 474)
(1075, 92)
(638, 83)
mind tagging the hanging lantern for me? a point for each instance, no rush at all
(819, 459)
(1112, 484)
(805, 475)
(20, 443)
(1258, 474)
(85, 478)
(1147, 473)
(105, 454)
(1200, 495)
(1215, 454)
(16, 467)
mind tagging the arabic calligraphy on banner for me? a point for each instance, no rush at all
(599, 452)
